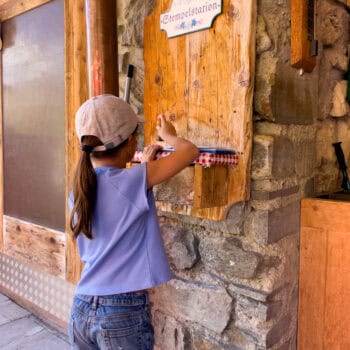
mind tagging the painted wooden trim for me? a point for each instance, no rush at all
(76, 92)
(12, 8)
(35, 245)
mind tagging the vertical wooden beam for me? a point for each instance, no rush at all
(76, 93)
(1, 158)
(300, 45)
(101, 30)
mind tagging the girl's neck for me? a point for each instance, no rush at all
(119, 163)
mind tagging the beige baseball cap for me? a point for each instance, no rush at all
(107, 117)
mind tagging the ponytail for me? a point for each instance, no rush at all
(85, 186)
(84, 192)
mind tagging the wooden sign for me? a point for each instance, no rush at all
(205, 80)
(187, 16)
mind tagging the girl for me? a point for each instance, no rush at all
(114, 219)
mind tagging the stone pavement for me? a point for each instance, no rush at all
(20, 330)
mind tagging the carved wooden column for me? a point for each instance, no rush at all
(101, 30)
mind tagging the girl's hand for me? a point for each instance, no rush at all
(165, 128)
(149, 153)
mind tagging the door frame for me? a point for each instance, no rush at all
(76, 92)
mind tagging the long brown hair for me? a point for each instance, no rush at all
(84, 192)
(84, 187)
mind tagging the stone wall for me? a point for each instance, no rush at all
(236, 281)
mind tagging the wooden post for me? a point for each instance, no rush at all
(76, 94)
(101, 30)
(300, 45)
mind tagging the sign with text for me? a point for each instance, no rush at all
(187, 16)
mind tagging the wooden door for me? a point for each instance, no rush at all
(324, 290)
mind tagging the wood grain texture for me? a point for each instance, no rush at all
(210, 186)
(38, 246)
(300, 45)
(206, 80)
(76, 93)
(1, 161)
(324, 286)
(12, 8)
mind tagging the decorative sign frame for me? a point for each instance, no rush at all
(188, 16)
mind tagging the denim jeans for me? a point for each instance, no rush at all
(112, 322)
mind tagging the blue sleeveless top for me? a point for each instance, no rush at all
(126, 253)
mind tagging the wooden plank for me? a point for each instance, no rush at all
(12, 8)
(38, 246)
(324, 288)
(330, 213)
(1, 160)
(209, 89)
(210, 186)
(300, 45)
(76, 94)
(337, 294)
(312, 284)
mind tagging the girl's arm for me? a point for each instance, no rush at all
(185, 152)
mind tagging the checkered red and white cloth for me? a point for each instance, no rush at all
(204, 159)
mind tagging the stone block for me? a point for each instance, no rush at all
(249, 313)
(263, 41)
(325, 136)
(250, 317)
(227, 258)
(265, 76)
(343, 132)
(123, 59)
(179, 189)
(169, 334)
(270, 226)
(248, 292)
(180, 245)
(238, 339)
(262, 156)
(283, 222)
(308, 189)
(236, 216)
(133, 31)
(200, 342)
(333, 20)
(209, 306)
(276, 333)
(340, 106)
(269, 195)
(257, 225)
(294, 98)
(283, 163)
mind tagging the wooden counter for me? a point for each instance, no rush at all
(324, 290)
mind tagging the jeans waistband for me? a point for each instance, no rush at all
(130, 298)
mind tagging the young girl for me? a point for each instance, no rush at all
(114, 219)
